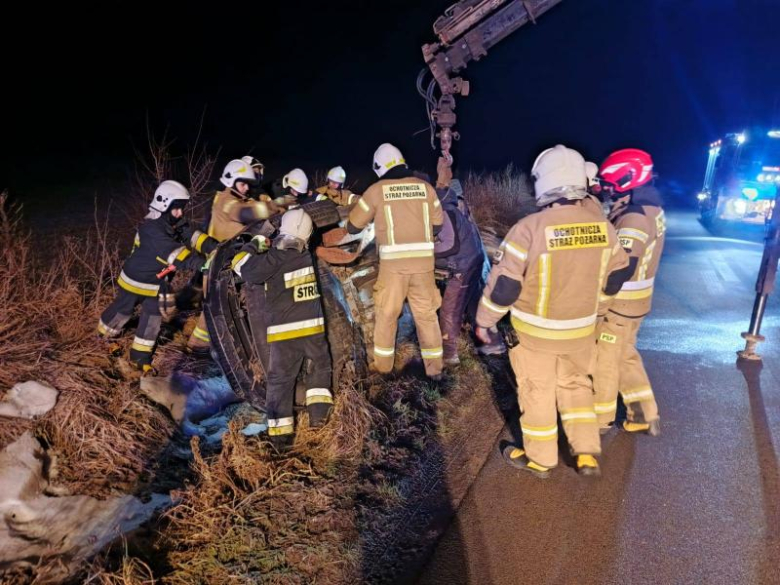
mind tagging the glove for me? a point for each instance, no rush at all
(261, 243)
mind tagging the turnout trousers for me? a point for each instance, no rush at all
(548, 384)
(619, 369)
(458, 293)
(118, 313)
(286, 359)
(390, 292)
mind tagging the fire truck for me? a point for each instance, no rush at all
(742, 178)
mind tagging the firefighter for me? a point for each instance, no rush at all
(638, 217)
(296, 326)
(334, 188)
(408, 216)
(553, 267)
(460, 253)
(163, 243)
(232, 209)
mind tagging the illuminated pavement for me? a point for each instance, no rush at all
(700, 504)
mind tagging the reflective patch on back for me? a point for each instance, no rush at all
(574, 236)
(305, 292)
(404, 191)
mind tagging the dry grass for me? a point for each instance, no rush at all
(104, 434)
(498, 200)
(249, 514)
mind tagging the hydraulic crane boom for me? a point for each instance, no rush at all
(466, 32)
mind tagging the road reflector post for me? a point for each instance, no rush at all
(765, 285)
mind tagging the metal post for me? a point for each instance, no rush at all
(765, 284)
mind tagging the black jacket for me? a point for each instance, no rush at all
(292, 295)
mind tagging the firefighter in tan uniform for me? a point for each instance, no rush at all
(640, 223)
(553, 267)
(334, 189)
(231, 211)
(407, 215)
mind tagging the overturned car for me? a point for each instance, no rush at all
(347, 268)
(346, 272)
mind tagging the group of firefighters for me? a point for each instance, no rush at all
(577, 283)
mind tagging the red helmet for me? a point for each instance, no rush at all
(627, 169)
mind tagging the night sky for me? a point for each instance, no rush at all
(315, 84)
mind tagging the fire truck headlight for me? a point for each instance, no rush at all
(740, 206)
(701, 196)
(741, 138)
(769, 177)
(761, 178)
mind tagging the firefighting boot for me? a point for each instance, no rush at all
(653, 428)
(318, 414)
(282, 443)
(451, 362)
(588, 466)
(606, 430)
(517, 459)
(147, 370)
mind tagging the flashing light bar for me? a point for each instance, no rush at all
(773, 134)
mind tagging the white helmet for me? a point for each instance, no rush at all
(238, 170)
(166, 193)
(296, 223)
(386, 157)
(592, 171)
(256, 165)
(337, 175)
(297, 181)
(559, 173)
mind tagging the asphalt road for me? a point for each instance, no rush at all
(701, 503)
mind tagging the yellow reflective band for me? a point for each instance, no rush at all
(238, 262)
(137, 288)
(199, 333)
(280, 426)
(296, 333)
(633, 295)
(436, 202)
(296, 329)
(545, 270)
(634, 234)
(199, 242)
(515, 250)
(401, 255)
(318, 396)
(137, 241)
(605, 407)
(427, 221)
(384, 351)
(390, 226)
(183, 255)
(300, 280)
(363, 205)
(608, 338)
(492, 307)
(540, 433)
(579, 415)
(144, 345)
(277, 431)
(102, 329)
(553, 334)
(605, 255)
(660, 223)
(432, 353)
(639, 394)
